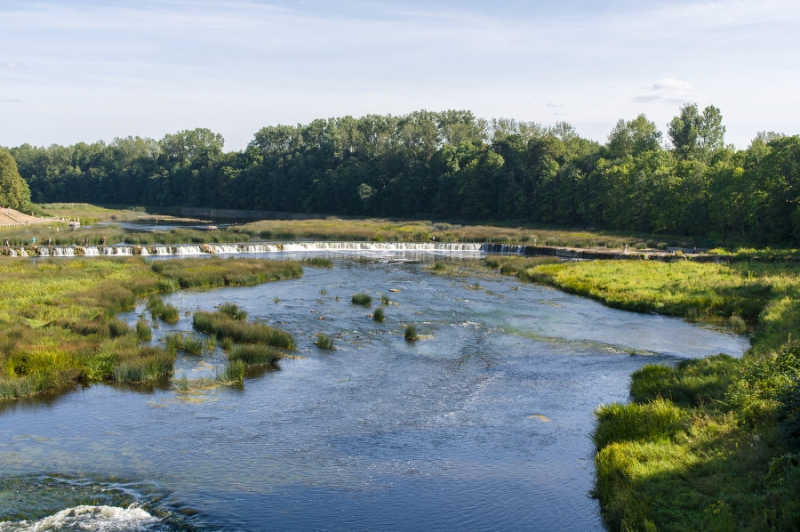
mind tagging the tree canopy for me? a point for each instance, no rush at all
(453, 165)
(14, 190)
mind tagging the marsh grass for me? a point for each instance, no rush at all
(232, 311)
(232, 373)
(410, 333)
(255, 355)
(224, 327)
(143, 330)
(385, 300)
(319, 262)
(362, 299)
(57, 325)
(167, 312)
(216, 272)
(324, 341)
(378, 315)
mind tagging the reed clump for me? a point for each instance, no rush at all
(385, 300)
(233, 311)
(216, 272)
(324, 341)
(143, 331)
(362, 299)
(378, 315)
(223, 326)
(151, 363)
(255, 355)
(167, 312)
(410, 333)
(188, 344)
(319, 262)
(233, 372)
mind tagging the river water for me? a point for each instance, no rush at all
(483, 424)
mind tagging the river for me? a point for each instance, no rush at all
(484, 424)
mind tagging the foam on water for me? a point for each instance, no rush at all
(90, 518)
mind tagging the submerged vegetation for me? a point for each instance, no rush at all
(57, 325)
(710, 444)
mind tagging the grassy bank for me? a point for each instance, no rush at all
(710, 444)
(57, 325)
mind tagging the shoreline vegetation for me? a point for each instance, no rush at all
(710, 444)
(57, 324)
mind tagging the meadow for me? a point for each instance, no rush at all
(710, 444)
(57, 325)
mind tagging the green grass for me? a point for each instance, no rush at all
(378, 315)
(385, 300)
(232, 311)
(57, 325)
(188, 344)
(224, 327)
(255, 355)
(169, 313)
(319, 262)
(143, 330)
(216, 272)
(410, 333)
(233, 372)
(324, 341)
(708, 444)
(362, 299)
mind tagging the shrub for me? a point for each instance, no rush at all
(143, 330)
(411, 333)
(378, 314)
(362, 299)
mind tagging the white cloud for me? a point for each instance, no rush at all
(10, 100)
(10, 66)
(555, 103)
(560, 113)
(670, 91)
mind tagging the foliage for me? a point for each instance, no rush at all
(255, 355)
(378, 315)
(57, 325)
(143, 330)
(223, 326)
(319, 262)
(452, 165)
(324, 341)
(410, 333)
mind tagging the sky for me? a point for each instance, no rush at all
(74, 71)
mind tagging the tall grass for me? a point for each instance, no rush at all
(143, 331)
(362, 299)
(117, 328)
(324, 341)
(233, 372)
(232, 311)
(411, 333)
(385, 300)
(378, 315)
(319, 262)
(215, 272)
(255, 355)
(151, 364)
(223, 326)
(188, 344)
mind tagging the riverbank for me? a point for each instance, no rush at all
(709, 444)
(57, 325)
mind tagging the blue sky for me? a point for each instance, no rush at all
(85, 71)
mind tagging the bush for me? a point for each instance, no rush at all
(143, 331)
(362, 299)
(411, 333)
(378, 315)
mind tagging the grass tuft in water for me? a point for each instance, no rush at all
(324, 341)
(151, 363)
(223, 326)
(385, 300)
(319, 262)
(255, 355)
(362, 299)
(233, 372)
(378, 315)
(411, 333)
(117, 328)
(143, 331)
(189, 344)
(233, 311)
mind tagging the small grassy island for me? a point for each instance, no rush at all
(709, 444)
(57, 325)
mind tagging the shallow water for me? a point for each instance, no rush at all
(483, 424)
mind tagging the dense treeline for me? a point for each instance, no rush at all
(452, 165)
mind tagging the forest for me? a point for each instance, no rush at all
(452, 165)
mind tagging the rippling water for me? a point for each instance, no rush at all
(484, 424)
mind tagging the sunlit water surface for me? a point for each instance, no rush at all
(483, 424)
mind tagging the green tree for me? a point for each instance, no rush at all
(14, 191)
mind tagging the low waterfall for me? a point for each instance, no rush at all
(183, 250)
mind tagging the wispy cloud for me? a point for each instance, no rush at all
(10, 100)
(11, 66)
(670, 91)
(555, 103)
